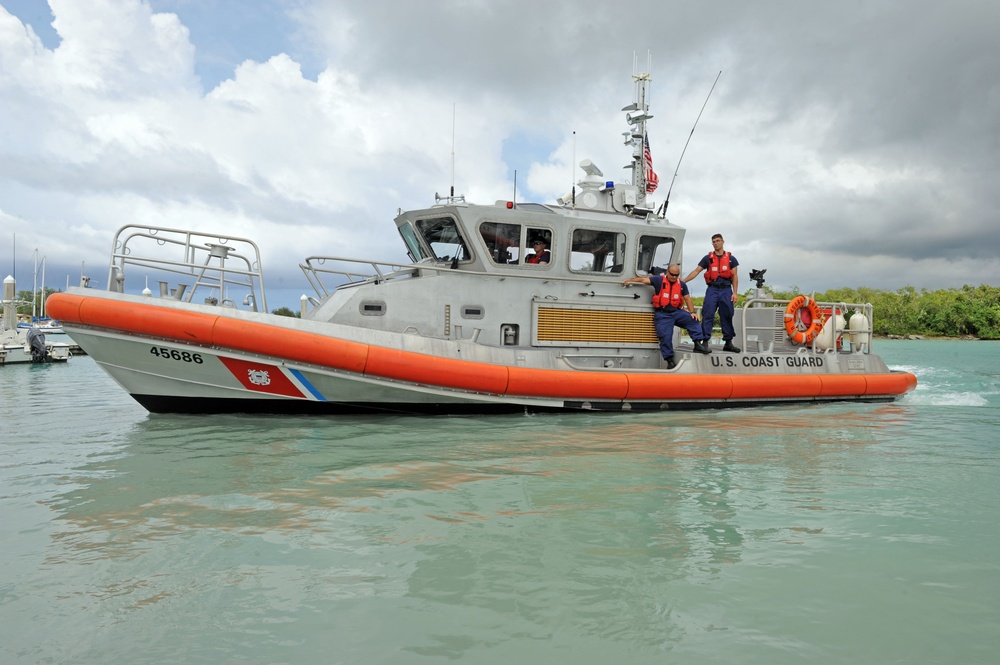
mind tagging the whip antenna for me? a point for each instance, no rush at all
(451, 197)
(453, 149)
(572, 169)
(666, 202)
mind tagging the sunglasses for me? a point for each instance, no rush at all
(538, 242)
(673, 274)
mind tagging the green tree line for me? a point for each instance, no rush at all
(25, 298)
(969, 311)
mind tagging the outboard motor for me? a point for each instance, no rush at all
(36, 341)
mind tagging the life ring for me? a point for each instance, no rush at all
(793, 316)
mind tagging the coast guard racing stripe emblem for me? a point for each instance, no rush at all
(262, 378)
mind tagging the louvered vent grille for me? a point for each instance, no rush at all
(560, 324)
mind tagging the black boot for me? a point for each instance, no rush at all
(701, 346)
(671, 363)
(732, 348)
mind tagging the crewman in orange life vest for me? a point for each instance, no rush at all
(672, 307)
(542, 254)
(722, 292)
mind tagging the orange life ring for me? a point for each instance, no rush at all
(793, 318)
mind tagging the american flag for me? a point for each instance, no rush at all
(652, 180)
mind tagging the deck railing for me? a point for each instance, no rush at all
(223, 270)
(862, 334)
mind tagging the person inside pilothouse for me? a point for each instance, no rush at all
(541, 249)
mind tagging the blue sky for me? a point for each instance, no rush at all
(853, 144)
(227, 32)
(37, 14)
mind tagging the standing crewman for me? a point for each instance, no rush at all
(672, 307)
(722, 292)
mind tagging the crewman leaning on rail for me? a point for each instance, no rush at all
(672, 307)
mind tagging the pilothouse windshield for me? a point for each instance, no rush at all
(442, 236)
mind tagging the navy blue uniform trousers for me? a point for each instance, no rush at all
(721, 301)
(665, 322)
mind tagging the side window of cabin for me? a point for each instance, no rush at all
(654, 251)
(503, 241)
(597, 251)
(442, 236)
(517, 244)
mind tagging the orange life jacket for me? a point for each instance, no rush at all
(537, 258)
(669, 294)
(718, 266)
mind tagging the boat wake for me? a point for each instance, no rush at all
(943, 387)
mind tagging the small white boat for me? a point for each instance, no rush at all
(53, 332)
(20, 345)
(470, 325)
(24, 347)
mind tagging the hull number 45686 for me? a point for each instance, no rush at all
(174, 354)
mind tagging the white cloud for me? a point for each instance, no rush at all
(843, 146)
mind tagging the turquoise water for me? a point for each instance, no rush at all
(831, 534)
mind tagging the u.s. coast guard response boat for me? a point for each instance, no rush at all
(471, 325)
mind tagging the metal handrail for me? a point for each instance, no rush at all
(212, 261)
(865, 308)
(380, 271)
(399, 270)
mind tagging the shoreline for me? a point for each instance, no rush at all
(932, 338)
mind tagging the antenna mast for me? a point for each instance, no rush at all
(636, 116)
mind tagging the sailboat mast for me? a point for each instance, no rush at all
(42, 310)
